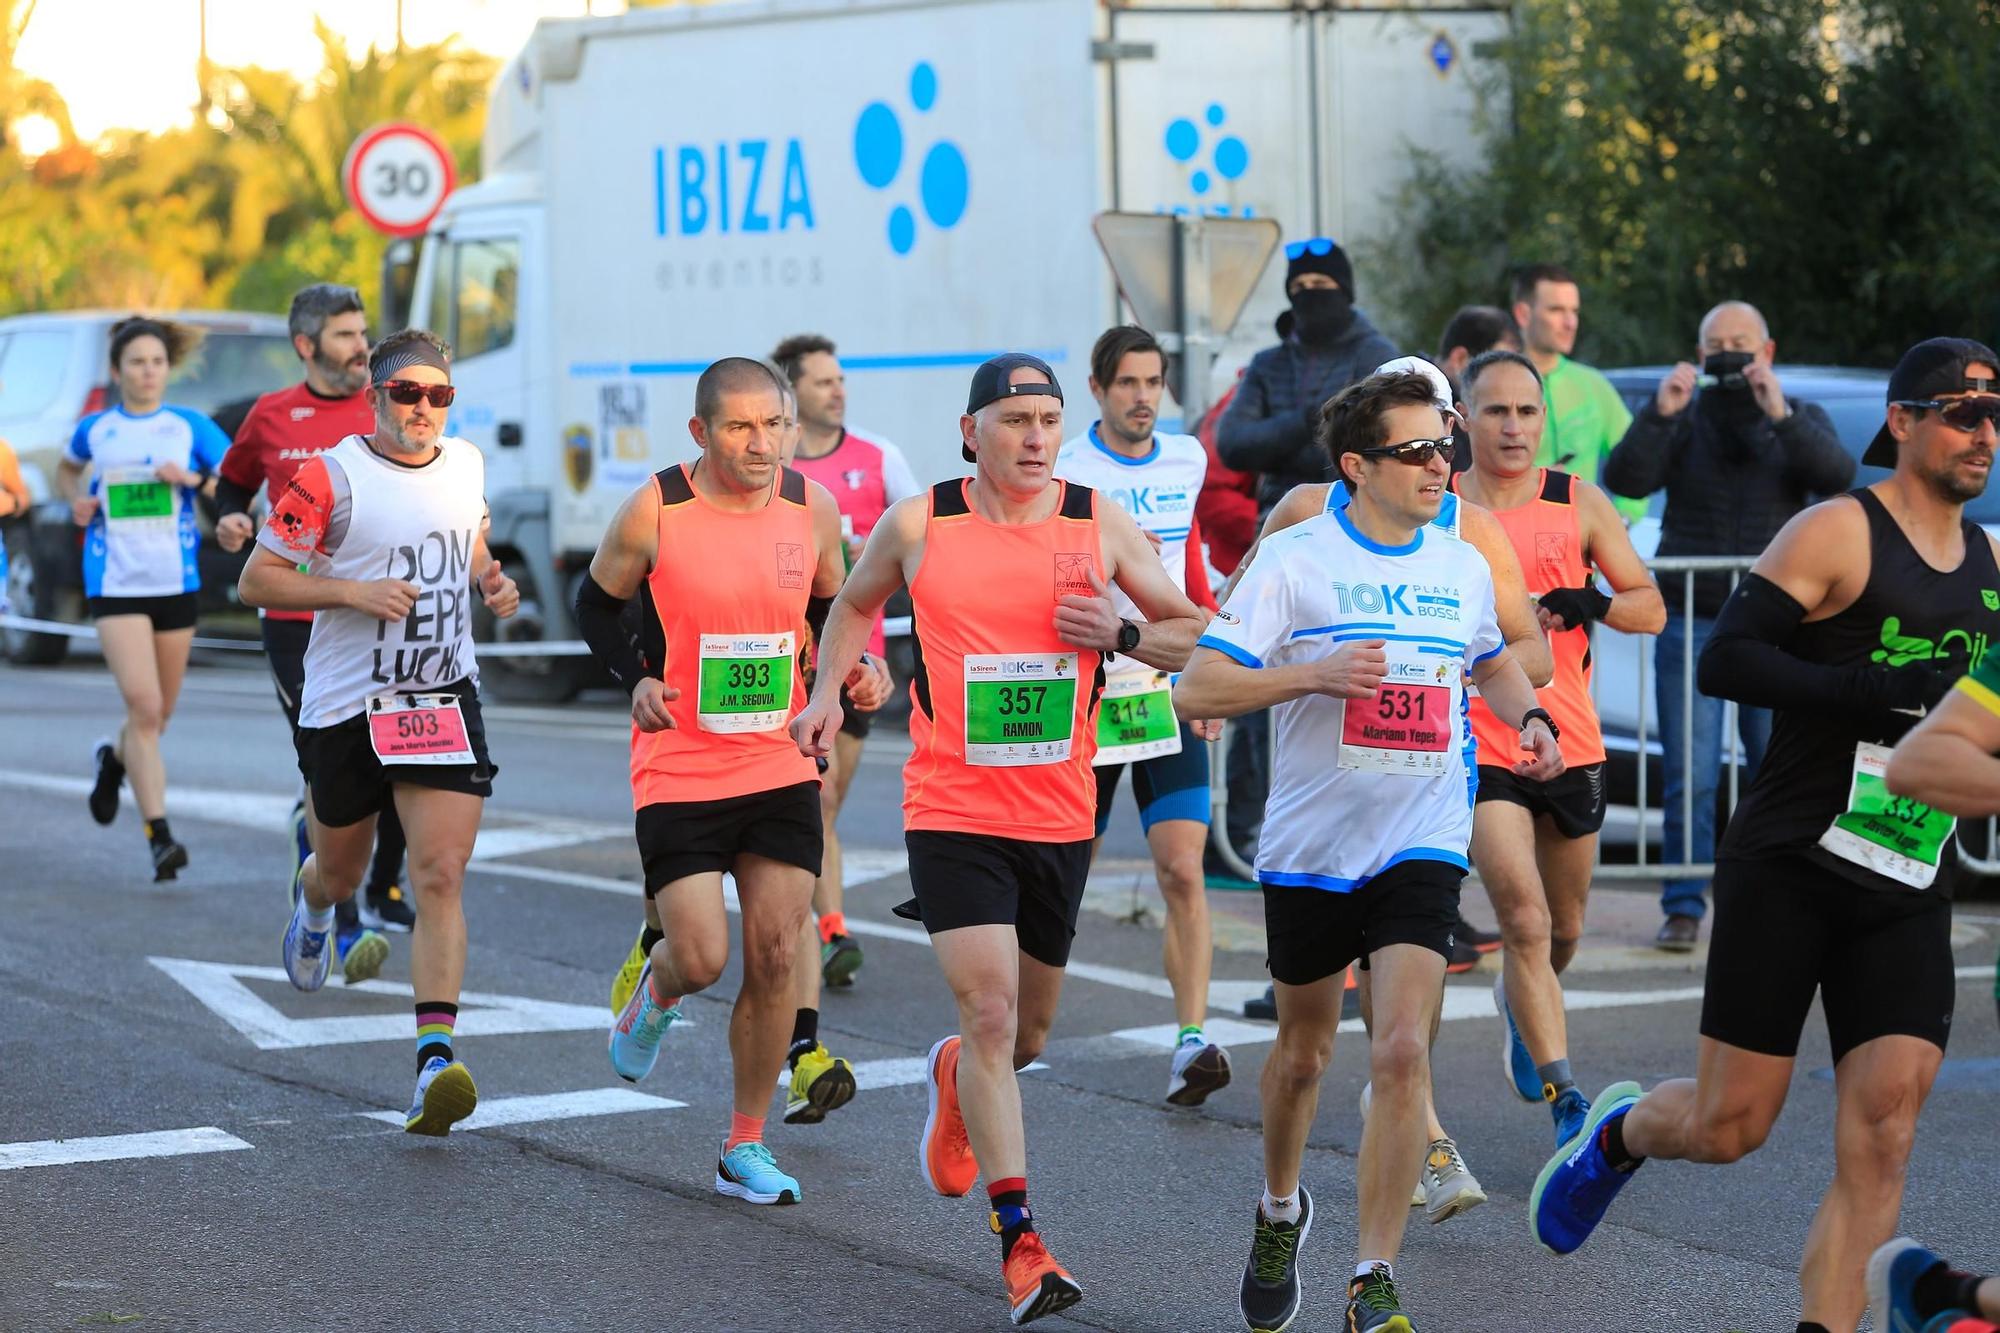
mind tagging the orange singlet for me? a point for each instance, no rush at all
(1549, 540)
(1004, 722)
(724, 606)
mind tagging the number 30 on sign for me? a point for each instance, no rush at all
(397, 177)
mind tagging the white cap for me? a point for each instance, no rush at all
(1440, 385)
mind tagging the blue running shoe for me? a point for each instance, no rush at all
(362, 952)
(635, 1037)
(1893, 1271)
(749, 1172)
(1514, 1057)
(1577, 1186)
(445, 1096)
(308, 953)
(1570, 1111)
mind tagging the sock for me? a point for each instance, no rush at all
(1287, 1209)
(1612, 1142)
(320, 920)
(1805, 1327)
(650, 936)
(1942, 1287)
(833, 923)
(435, 1021)
(1189, 1032)
(1011, 1218)
(1555, 1074)
(805, 1035)
(743, 1129)
(1367, 1267)
(157, 832)
(653, 987)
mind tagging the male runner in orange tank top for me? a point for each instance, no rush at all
(1536, 842)
(1008, 572)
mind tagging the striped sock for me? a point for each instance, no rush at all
(435, 1021)
(1010, 1218)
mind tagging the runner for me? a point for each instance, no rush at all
(280, 432)
(865, 475)
(1156, 478)
(14, 501)
(1857, 618)
(1361, 627)
(148, 460)
(1912, 1288)
(999, 797)
(733, 553)
(1536, 843)
(388, 528)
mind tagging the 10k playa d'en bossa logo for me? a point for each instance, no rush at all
(764, 186)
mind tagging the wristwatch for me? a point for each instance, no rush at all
(1128, 636)
(1555, 732)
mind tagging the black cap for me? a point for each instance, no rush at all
(990, 383)
(1933, 368)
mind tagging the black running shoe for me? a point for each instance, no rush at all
(1271, 1288)
(1263, 1006)
(387, 910)
(110, 776)
(1486, 941)
(1372, 1306)
(169, 859)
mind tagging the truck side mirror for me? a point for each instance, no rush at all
(509, 435)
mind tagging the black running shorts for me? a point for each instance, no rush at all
(1786, 929)
(682, 838)
(854, 722)
(1314, 933)
(349, 783)
(976, 879)
(172, 612)
(1573, 800)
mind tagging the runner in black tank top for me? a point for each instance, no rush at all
(1856, 620)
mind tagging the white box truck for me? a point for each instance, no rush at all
(913, 178)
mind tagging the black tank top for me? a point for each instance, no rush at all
(1908, 614)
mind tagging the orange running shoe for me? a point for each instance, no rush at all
(1036, 1284)
(944, 1152)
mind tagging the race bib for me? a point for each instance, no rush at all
(1891, 835)
(418, 729)
(1408, 724)
(1019, 708)
(1135, 719)
(136, 495)
(746, 681)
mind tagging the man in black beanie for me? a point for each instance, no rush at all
(1268, 428)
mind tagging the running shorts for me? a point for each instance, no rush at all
(1313, 933)
(854, 722)
(977, 879)
(174, 611)
(682, 838)
(1573, 800)
(1172, 786)
(349, 783)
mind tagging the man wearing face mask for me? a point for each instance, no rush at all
(1269, 426)
(1737, 459)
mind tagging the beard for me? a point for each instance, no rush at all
(1955, 486)
(342, 376)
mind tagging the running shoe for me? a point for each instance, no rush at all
(445, 1096)
(839, 960)
(110, 776)
(635, 1037)
(362, 953)
(387, 910)
(301, 834)
(1463, 957)
(1449, 1186)
(629, 972)
(1486, 941)
(944, 1152)
(1577, 1186)
(169, 859)
(1417, 1196)
(1372, 1304)
(1893, 1271)
(1570, 1111)
(1200, 1067)
(749, 1172)
(1514, 1057)
(308, 953)
(1036, 1283)
(1263, 1006)
(819, 1084)
(1271, 1291)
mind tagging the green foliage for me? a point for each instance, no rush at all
(1822, 159)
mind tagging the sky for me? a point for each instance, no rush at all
(143, 78)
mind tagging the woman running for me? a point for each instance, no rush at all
(147, 460)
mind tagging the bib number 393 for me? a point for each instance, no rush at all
(419, 729)
(1135, 719)
(1405, 727)
(1892, 835)
(1019, 709)
(746, 681)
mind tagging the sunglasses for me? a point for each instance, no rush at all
(1959, 413)
(1318, 245)
(409, 393)
(1414, 452)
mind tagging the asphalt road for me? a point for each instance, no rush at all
(141, 1019)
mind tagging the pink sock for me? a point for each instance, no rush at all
(653, 985)
(743, 1129)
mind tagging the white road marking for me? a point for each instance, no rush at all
(547, 1106)
(118, 1147)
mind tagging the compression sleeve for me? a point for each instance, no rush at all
(231, 497)
(816, 609)
(597, 619)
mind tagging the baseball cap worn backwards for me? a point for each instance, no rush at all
(990, 383)
(1931, 369)
(1440, 385)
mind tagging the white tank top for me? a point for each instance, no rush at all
(1158, 490)
(419, 524)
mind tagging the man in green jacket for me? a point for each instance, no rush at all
(1586, 417)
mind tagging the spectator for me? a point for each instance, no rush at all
(1586, 416)
(1268, 428)
(1227, 509)
(1737, 459)
(1473, 330)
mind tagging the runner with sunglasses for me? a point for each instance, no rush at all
(1858, 619)
(381, 536)
(1361, 627)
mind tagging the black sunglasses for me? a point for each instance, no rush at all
(1959, 413)
(409, 393)
(1414, 452)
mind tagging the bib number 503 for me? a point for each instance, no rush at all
(416, 726)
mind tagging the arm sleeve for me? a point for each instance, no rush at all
(898, 481)
(1257, 621)
(78, 449)
(1250, 439)
(1748, 658)
(1813, 453)
(1639, 464)
(600, 619)
(311, 515)
(240, 468)
(1196, 572)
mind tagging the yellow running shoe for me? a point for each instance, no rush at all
(820, 1084)
(627, 979)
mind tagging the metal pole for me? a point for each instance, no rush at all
(1192, 287)
(1218, 807)
(1644, 841)
(1687, 718)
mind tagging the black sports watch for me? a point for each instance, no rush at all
(1128, 636)
(1555, 732)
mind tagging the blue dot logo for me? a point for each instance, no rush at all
(1227, 159)
(944, 181)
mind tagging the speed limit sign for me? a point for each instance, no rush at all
(397, 177)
